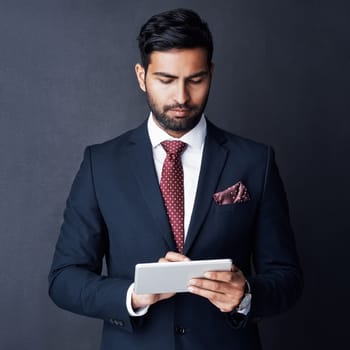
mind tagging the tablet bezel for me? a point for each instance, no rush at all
(173, 277)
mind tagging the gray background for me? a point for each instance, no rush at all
(67, 80)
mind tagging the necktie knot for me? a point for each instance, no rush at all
(174, 148)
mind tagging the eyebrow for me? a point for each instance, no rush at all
(170, 76)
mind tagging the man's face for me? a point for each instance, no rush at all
(177, 85)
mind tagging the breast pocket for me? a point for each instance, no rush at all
(237, 216)
(230, 208)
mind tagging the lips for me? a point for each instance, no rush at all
(180, 112)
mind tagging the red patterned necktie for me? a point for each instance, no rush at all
(172, 187)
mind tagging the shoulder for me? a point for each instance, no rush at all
(238, 144)
(119, 144)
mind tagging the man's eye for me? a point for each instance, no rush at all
(165, 81)
(196, 81)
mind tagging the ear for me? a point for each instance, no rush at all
(141, 75)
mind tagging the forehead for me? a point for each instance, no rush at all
(179, 62)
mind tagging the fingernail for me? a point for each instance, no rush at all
(207, 275)
(192, 282)
(191, 289)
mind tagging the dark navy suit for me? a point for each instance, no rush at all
(115, 210)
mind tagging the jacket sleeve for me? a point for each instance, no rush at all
(75, 280)
(278, 281)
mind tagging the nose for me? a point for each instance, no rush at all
(181, 94)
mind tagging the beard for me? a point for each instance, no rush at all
(183, 124)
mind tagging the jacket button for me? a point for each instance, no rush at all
(117, 323)
(180, 330)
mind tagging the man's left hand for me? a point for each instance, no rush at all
(224, 289)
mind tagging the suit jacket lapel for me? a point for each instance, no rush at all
(213, 161)
(142, 166)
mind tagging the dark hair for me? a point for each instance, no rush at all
(175, 29)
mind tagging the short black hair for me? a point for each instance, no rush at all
(175, 29)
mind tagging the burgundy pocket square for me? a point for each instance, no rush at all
(237, 193)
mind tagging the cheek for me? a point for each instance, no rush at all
(160, 95)
(199, 95)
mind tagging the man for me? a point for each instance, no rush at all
(177, 188)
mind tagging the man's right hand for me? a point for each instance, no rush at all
(144, 300)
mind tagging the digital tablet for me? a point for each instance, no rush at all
(173, 277)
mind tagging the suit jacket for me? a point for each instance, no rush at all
(115, 211)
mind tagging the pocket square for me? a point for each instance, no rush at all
(237, 193)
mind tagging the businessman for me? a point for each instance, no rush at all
(177, 188)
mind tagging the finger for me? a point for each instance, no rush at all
(166, 296)
(221, 301)
(162, 260)
(206, 293)
(234, 268)
(235, 277)
(224, 302)
(174, 256)
(142, 300)
(230, 288)
(212, 285)
(225, 276)
(237, 274)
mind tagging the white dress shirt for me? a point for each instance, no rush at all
(191, 159)
(191, 162)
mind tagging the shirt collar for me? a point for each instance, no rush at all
(194, 138)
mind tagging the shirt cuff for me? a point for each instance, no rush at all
(246, 309)
(135, 313)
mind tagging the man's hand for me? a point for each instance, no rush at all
(224, 289)
(143, 300)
